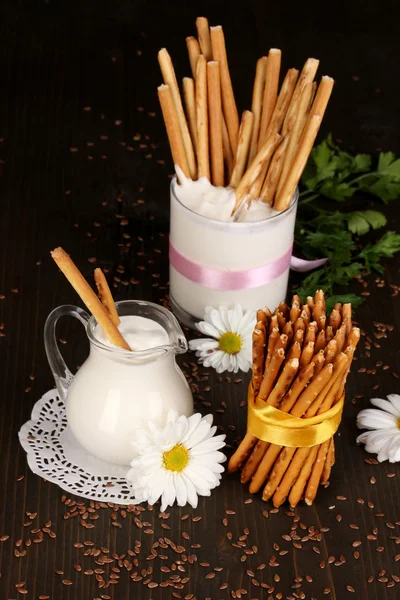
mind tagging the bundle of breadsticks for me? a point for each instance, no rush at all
(301, 360)
(263, 155)
(103, 310)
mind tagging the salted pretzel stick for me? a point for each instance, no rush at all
(294, 351)
(281, 321)
(295, 133)
(288, 331)
(270, 92)
(272, 339)
(258, 356)
(335, 319)
(88, 297)
(319, 308)
(329, 334)
(340, 336)
(319, 360)
(313, 482)
(271, 373)
(281, 342)
(297, 387)
(264, 315)
(346, 314)
(299, 324)
(256, 167)
(203, 160)
(228, 99)
(278, 472)
(242, 453)
(310, 302)
(172, 127)
(320, 342)
(337, 388)
(350, 354)
(298, 487)
(306, 77)
(284, 382)
(274, 172)
(228, 154)
(190, 105)
(328, 463)
(310, 332)
(354, 337)
(295, 312)
(282, 201)
(307, 354)
(215, 118)
(105, 296)
(256, 104)
(253, 461)
(321, 322)
(169, 77)
(290, 476)
(298, 336)
(330, 351)
(239, 166)
(203, 32)
(338, 369)
(264, 468)
(311, 392)
(194, 53)
(306, 315)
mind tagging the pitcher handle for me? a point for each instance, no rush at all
(62, 375)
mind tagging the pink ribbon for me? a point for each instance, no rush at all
(222, 279)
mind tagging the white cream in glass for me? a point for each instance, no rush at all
(213, 240)
(116, 391)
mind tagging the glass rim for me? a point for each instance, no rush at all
(234, 224)
(121, 352)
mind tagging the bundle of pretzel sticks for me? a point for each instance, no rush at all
(263, 155)
(301, 360)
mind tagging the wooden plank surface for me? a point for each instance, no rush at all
(85, 165)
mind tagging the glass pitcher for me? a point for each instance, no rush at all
(116, 391)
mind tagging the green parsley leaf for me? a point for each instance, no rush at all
(386, 247)
(360, 222)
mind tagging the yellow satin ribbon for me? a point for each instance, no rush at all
(272, 425)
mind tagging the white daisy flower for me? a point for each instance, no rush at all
(178, 462)
(229, 347)
(383, 437)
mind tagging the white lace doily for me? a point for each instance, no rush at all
(54, 454)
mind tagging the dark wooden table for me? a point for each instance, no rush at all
(85, 165)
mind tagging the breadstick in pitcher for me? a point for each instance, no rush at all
(88, 296)
(106, 296)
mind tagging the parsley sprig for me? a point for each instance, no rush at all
(330, 180)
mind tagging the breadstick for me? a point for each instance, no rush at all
(306, 77)
(228, 99)
(282, 201)
(328, 463)
(330, 351)
(307, 354)
(256, 104)
(274, 172)
(335, 319)
(295, 133)
(194, 53)
(283, 101)
(278, 472)
(190, 105)
(253, 461)
(285, 379)
(321, 98)
(310, 332)
(168, 74)
(272, 339)
(242, 453)
(346, 314)
(258, 357)
(239, 166)
(202, 118)
(264, 468)
(105, 296)
(289, 478)
(215, 118)
(270, 92)
(271, 373)
(255, 168)
(228, 154)
(320, 341)
(297, 489)
(88, 297)
(172, 127)
(297, 387)
(313, 482)
(203, 32)
(311, 392)
(319, 360)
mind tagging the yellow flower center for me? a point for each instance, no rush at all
(230, 342)
(176, 459)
